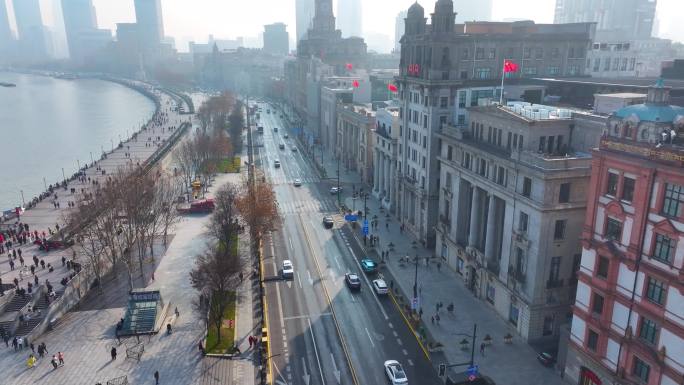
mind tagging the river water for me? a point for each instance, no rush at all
(47, 124)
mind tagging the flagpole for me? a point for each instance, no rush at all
(503, 76)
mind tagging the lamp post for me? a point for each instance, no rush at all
(470, 363)
(23, 203)
(364, 195)
(414, 246)
(63, 176)
(91, 158)
(338, 181)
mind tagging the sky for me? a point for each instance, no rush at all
(196, 19)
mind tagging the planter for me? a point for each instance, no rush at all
(508, 338)
(434, 347)
(487, 340)
(465, 344)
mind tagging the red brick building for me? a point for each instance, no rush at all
(628, 317)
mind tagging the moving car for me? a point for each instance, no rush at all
(328, 222)
(276, 163)
(380, 286)
(281, 146)
(275, 129)
(353, 281)
(286, 136)
(546, 359)
(294, 149)
(369, 266)
(288, 269)
(334, 190)
(297, 182)
(395, 373)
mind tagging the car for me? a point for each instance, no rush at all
(276, 163)
(286, 136)
(395, 373)
(328, 222)
(297, 182)
(275, 129)
(353, 281)
(369, 266)
(288, 269)
(281, 146)
(334, 190)
(294, 149)
(546, 359)
(268, 111)
(380, 286)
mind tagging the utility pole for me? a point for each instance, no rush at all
(338, 181)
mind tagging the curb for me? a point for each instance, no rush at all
(408, 323)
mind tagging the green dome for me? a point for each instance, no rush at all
(651, 112)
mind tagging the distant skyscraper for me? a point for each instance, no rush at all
(6, 37)
(148, 15)
(399, 26)
(349, 17)
(324, 18)
(79, 19)
(480, 10)
(626, 18)
(305, 13)
(276, 39)
(34, 38)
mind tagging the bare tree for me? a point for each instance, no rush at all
(258, 206)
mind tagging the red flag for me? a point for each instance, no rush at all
(355, 83)
(349, 66)
(510, 66)
(392, 87)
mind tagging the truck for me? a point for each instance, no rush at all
(195, 207)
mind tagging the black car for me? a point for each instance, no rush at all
(353, 281)
(328, 222)
(546, 359)
(275, 129)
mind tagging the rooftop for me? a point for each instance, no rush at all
(538, 111)
(622, 95)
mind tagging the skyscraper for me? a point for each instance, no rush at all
(349, 17)
(324, 18)
(276, 39)
(148, 15)
(399, 26)
(34, 38)
(626, 18)
(305, 12)
(6, 37)
(79, 18)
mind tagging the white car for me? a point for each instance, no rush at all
(380, 286)
(334, 190)
(294, 149)
(288, 269)
(395, 373)
(297, 182)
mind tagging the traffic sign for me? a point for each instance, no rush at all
(350, 218)
(414, 304)
(473, 370)
(365, 227)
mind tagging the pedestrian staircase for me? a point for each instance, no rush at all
(17, 303)
(144, 307)
(27, 326)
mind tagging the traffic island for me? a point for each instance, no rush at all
(225, 345)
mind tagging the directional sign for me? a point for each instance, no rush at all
(414, 304)
(365, 227)
(473, 370)
(351, 218)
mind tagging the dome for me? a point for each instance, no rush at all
(415, 11)
(650, 113)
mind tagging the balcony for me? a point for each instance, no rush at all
(517, 274)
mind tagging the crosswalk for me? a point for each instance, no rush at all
(283, 179)
(310, 206)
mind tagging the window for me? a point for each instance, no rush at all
(527, 187)
(501, 176)
(616, 63)
(648, 330)
(461, 119)
(444, 102)
(482, 169)
(530, 71)
(597, 65)
(462, 95)
(491, 54)
(523, 221)
(549, 321)
(611, 189)
(597, 306)
(564, 194)
(482, 73)
(555, 269)
(606, 64)
(559, 229)
(613, 229)
(527, 53)
(664, 248)
(513, 313)
(555, 52)
(450, 151)
(553, 70)
(542, 143)
(465, 54)
(425, 121)
(641, 369)
(674, 197)
(655, 291)
(602, 268)
(466, 160)
(479, 53)
(539, 53)
(464, 75)
(592, 340)
(627, 189)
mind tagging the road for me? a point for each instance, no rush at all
(320, 332)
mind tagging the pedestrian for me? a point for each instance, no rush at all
(156, 377)
(33, 348)
(251, 341)
(200, 347)
(15, 343)
(439, 266)
(40, 350)
(53, 361)
(177, 312)
(432, 319)
(11, 263)
(45, 348)
(168, 328)
(113, 353)
(437, 318)
(60, 355)
(240, 276)
(5, 338)
(482, 349)
(31, 361)
(35, 279)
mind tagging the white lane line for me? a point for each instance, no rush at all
(404, 351)
(300, 280)
(291, 246)
(375, 297)
(306, 316)
(337, 262)
(370, 338)
(390, 325)
(410, 362)
(306, 376)
(335, 370)
(399, 341)
(318, 360)
(395, 333)
(280, 302)
(310, 279)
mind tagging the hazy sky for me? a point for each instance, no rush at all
(195, 19)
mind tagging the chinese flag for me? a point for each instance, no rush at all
(510, 66)
(392, 87)
(349, 66)
(355, 83)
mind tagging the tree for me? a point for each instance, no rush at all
(258, 206)
(236, 123)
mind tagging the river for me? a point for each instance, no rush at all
(49, 124)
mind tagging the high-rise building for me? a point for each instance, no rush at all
(79, 19)
(625, 18)
(399, 25)
(276, 39)
(35, 40)
(305, 13)
(480, 10)
(6, 37)
(148, 16)
(628, 317)
(349, 17)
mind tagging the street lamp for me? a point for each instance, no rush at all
(364, 195)
(338, 181)
(470, 363)
(414, 246)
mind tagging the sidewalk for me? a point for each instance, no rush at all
(513, 364)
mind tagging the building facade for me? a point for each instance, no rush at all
(512, 201)
(34, 39)
(304, 14)
(333, 96)
(385, 151)
(618, 57)
(276, 39)
(628, 317)
(355, 135)
(6, 36)
(399, 26)
(629, 18)
(80, 25)
(148, 16)
(438, 60)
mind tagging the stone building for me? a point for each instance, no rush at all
(512, 203)
(441, 58)
(628, 317)
(385, 156)
(355, 127)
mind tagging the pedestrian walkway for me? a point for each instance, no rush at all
(509, 364)
(309, 206)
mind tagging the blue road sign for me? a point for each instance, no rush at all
(473, 370)
(365, 227)
(350, 218)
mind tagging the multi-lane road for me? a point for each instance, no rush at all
(320, 332)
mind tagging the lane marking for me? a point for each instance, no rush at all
(395, 333)
(336, 372)
(399, 341)
(318, 360)
(375, 297)
(404, 351)
(306, 316)
(291, 246)
(390, 325)
(280, 301)
(370, 338)
(310, 279)
(306, 375)
(410, 362)
(300, 280)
